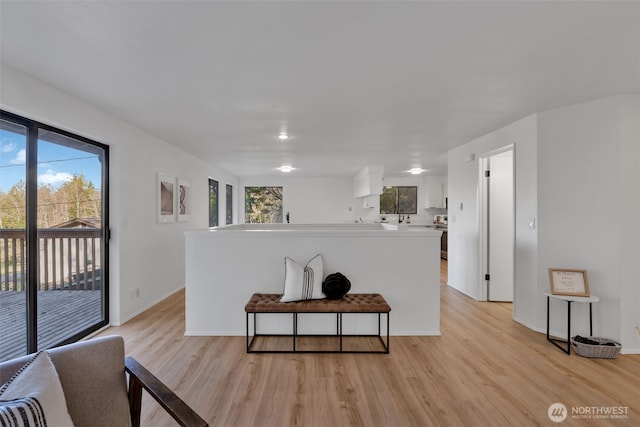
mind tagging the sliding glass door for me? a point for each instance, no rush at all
(53, 240)
(13, 239)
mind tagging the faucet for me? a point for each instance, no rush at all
(400, 220)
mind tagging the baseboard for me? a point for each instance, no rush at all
(533, 328)
(562, 335)
(147, 307)
(416, 334)
(462, 292)
(553, 334)
(188, 333)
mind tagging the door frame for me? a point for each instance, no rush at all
(483, 236)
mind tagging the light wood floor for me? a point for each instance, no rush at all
(485, 370)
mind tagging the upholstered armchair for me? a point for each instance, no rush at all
(93, 377)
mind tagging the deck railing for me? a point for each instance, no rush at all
(69, 258)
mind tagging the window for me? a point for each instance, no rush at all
(53, 228)
(229, 204)
(263, 204)
(399, 200)
(213, 203)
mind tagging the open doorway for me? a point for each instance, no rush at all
(497, 221)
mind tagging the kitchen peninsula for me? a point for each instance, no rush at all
(226, 265)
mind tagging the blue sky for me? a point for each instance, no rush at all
(56, 163)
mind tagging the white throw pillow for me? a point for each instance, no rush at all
(303, 282)
(34, 396)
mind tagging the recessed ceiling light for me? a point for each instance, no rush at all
(415, 171)
(283, 136)
(285, 169)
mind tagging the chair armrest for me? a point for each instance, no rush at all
(140, 378)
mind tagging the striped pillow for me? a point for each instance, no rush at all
(303, 282)
(33, 396)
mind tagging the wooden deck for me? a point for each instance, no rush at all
(61, 313)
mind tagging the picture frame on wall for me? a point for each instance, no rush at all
(184, 201)
(166, 196)
(571, 282)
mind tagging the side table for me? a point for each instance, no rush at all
(569, 299)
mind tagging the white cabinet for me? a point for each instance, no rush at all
(368, 182)
(436, 191)
(371, 201)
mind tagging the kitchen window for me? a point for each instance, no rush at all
(399, 200)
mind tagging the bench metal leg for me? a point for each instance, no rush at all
(249, 337)
(294, 335)
(295, 329)
(384, 345)
(388, 314)
(340, 326)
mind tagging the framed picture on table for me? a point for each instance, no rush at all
(571, 282)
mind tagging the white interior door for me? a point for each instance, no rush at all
(501, 227)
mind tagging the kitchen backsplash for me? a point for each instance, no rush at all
(424, 216)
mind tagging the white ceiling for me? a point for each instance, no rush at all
(355, 83)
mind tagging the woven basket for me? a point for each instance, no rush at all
(600, 351)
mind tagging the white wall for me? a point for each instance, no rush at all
(630, 222)
(588, 208)
(224, 267)
(577, 174)
(464, 226)
(308, 200)
(330, 199)
(143, 254)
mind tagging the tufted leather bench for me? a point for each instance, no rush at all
(350, 303)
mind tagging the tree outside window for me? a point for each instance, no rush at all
(263, 204)
(399, 200)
